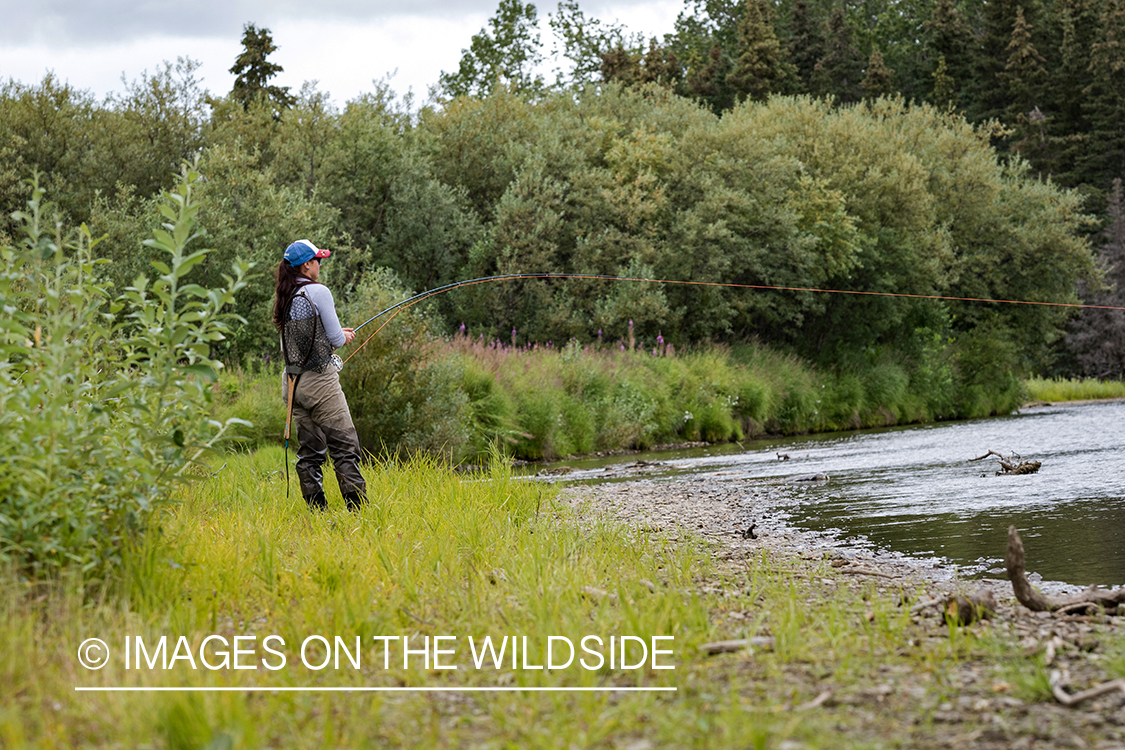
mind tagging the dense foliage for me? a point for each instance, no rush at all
(1051, 72)
(792, 192)
(764, 145)
(465, 398)
(104, 399)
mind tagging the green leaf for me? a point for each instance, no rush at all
(202, 370)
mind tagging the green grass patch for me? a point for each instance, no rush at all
(436, 553)
(1073, 389)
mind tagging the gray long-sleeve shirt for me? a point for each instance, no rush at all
(319, 295)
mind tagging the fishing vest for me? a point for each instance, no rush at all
(304, 342)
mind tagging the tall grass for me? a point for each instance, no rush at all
(1073, 389)
(544, 403)
(436, 554)
(566, 401)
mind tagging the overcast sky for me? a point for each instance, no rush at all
(342, 44)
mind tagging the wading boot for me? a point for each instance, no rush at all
(354, 500)
(317, 501)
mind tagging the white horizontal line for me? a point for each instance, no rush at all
(374, 689)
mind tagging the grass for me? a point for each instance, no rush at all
(436, 554)
(1073, 389)
(463, 397)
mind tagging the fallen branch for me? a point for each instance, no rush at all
(1073, 609)
(1029, 596)
(1013, 464)
(816, 702)
(729, 647)
(1073, 699)
(1051, 650)
(868, 572)
(925, 605)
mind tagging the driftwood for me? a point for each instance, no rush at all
(1030, 597)
(1073, 699)
(1013, 464)
(740, 644)
(816, 702)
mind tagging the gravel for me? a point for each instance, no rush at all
(984, 712)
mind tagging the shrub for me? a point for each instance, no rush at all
(103, 403)
(490, 411)
(842, 402)
(986, 362)
(403, 398)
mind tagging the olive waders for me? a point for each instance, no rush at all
(315, 404)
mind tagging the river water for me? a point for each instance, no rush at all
(912, 489)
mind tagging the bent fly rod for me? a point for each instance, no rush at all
(410, 301)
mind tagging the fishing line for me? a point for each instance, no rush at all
(410, 301)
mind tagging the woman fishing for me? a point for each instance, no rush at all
(305, 315)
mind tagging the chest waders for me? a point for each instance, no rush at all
(305, 346)
(320, 411)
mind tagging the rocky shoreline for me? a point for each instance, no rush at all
(721, 512)
(985, 713)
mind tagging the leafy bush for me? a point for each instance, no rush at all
(490, 412)
(986, 363)
(403, 398)
(467, 399)
(103, 402)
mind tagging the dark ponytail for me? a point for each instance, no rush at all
(286, 277)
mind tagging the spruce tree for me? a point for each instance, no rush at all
(945, 90)
(1105, 99)
(839, 72)
(806, 43)
(1024, 72)
(1025, 77)
(1077, 25)
(253, 71)
(1097, 336)
(759, 69)
(879, 79)
(660, 65)
(708, 81)
(949, 43)
(990, 97)
(620, 66)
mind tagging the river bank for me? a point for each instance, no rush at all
(847, 649)
(993, 693)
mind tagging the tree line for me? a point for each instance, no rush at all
(616, 169)
(1046, 78)
(1050, 74)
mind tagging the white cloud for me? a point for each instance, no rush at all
(89, 22)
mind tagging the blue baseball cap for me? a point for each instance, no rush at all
(302, 251)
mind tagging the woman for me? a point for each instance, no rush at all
(305, 315)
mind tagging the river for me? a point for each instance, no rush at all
(912, 489)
